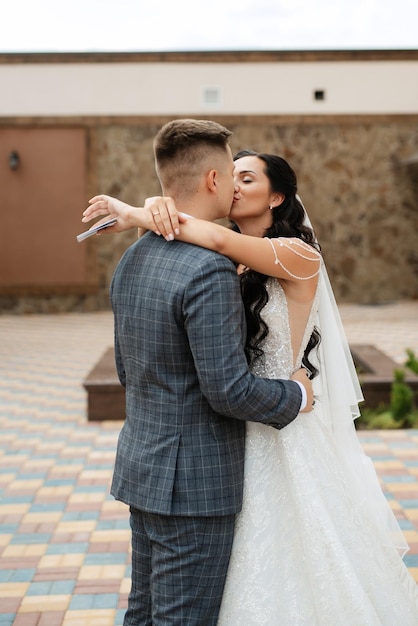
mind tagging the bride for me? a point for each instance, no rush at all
(316, 542)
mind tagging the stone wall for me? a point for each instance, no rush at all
(362, 200)
(361, 195)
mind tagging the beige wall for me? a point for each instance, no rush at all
(274, 88)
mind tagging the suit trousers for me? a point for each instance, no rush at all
(179, 567)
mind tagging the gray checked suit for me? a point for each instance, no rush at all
(179, 338)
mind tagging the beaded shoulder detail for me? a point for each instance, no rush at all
(298, 247)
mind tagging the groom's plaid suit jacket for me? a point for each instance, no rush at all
(179, 336)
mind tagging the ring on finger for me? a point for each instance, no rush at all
(156, 213)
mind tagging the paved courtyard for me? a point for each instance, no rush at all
(64, 541)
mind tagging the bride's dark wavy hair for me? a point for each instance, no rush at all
(287, 221)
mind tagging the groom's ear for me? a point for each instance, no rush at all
(212, 180)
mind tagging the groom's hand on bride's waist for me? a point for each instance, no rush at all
(301, 377)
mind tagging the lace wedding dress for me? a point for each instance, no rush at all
(307, 551)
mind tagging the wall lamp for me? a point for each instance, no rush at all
(14, 160)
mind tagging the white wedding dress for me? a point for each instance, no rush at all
(307, 549)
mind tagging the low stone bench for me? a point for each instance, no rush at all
(106, 396)
(376, 374)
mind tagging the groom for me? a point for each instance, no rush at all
(179, 345)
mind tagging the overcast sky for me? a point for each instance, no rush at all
(149, 25)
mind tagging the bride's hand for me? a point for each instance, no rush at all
(127, 216)
(159, 214)
(162, 210)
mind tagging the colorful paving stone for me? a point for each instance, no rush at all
(64, 541)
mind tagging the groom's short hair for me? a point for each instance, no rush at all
(184, 147)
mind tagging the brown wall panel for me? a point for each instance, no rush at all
(40, 205)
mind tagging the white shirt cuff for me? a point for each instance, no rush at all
(304, 395)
